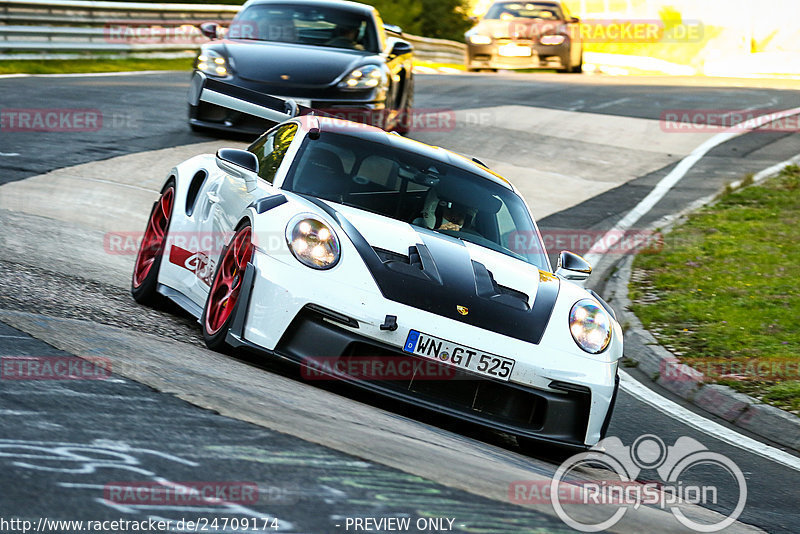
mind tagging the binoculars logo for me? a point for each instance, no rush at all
(676, 490)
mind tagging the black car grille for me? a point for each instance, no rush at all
(558, 415)
(461, 390)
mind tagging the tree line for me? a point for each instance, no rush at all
(443, 19)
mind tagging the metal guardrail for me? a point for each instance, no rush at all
(49, 29)
(437, 50)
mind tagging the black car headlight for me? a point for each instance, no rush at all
(212, 63)
(368, 77)
(312, 242)
(590, 326)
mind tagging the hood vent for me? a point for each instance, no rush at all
(418, 263)
(387, 255)
(488, 288)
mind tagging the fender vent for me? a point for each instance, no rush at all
(194, 188)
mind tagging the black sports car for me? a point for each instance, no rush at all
(330, 55)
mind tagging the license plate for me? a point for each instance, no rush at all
(512, 50)
(461, 356)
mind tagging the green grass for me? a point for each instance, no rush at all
(724, 289)
(64, 66)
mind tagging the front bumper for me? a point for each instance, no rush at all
(542, 56)
(566, 406)
(369, 108)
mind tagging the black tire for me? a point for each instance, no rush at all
(577, 69)
(144, 290)
(195, 127)
(216, 340)
(403, 126)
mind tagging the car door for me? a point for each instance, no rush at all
(227, 198)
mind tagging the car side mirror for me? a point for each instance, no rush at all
(239, 163)
(574, 20)
(572, 267)
(210, 29)
(401, 47)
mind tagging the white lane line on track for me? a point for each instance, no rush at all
(610, 103)
(632, 386)
(85, 74)
(110, 182)
(648, 396)
(670, 180)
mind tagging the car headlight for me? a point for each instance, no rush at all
(480, 39)
(312, 242)
(364, 78)
(551, 39)
(590, 326)
(212, 63)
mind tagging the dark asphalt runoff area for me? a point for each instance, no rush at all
(109, 448)
(64, 441)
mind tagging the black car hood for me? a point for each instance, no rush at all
(292, 65)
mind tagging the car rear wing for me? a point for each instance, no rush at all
(205, 89)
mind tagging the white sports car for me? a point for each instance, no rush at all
(403, 268)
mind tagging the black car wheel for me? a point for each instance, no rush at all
(579, 67)
(406, 119)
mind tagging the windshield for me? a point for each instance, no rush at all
(524, 10)
(419, 190)
(309, 25)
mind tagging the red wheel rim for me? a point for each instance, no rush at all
(154, 237)
(228, 281)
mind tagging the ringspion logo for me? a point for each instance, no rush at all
(675, 488)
